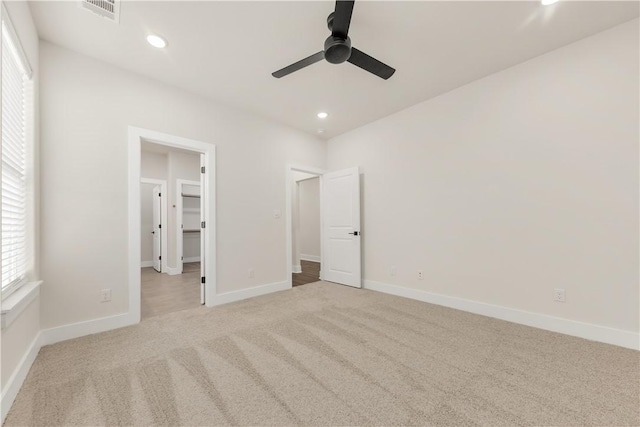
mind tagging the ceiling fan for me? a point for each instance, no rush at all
(337, 47)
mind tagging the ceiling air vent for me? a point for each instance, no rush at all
(109, 9)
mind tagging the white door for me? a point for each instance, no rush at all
(341, 223)
(203, 229)
(157, 225)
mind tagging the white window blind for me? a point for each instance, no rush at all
(15, 76)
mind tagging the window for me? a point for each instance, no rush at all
(16, 75)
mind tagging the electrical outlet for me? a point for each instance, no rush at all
(392, 270)
(420, 275)
(559, 295)
(252, 273)
(105, 295)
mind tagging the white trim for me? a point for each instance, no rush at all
(136, 136)
(588, 331)
(11, 389)
(15, 304)
(306, 179)
(307, 257)
(256, 291)
(52, 336)
(173, 271)
(289, 211)
(14, 40)
(180, 183)
(296, 269)
(191, 259)
(145, 264)
(164, 220)
(81, 329)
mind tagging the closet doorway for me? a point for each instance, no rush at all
(173, 252)
(304, 224)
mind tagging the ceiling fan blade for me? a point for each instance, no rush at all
(342, 18)
(372, 65)
(316, 57)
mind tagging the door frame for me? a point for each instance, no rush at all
(179, 220)
(135, 137)
(164, 235)
(290, 169)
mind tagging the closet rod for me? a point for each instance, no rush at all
(189, 195)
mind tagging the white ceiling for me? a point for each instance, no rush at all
(227, 50)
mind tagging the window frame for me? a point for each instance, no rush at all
(14, 45)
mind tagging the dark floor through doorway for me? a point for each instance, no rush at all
(310, 273)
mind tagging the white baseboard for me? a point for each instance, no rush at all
(306, 257)
(191, 259)
(11, 389)
(52, 336)
(89, 327)
(256, 291)
(173, 271)
(296, 269)
(588, 331)
(145, 264)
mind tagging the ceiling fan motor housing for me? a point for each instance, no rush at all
(336, 49)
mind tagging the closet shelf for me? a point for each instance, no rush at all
(191, 231)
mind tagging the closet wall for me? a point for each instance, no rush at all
(182, 165)
(309, 211)
(191, 221)
(304, 230)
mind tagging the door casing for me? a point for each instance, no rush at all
(135, 137)
(290, 169)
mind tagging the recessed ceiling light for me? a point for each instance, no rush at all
(322, 115)
(156, 41)
(548, 2)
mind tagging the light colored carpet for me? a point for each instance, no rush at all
(324, 354)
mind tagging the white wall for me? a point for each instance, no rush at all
(16, 340)
(511, 186)
(154, 165)
(87, 106)
(309, 211)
